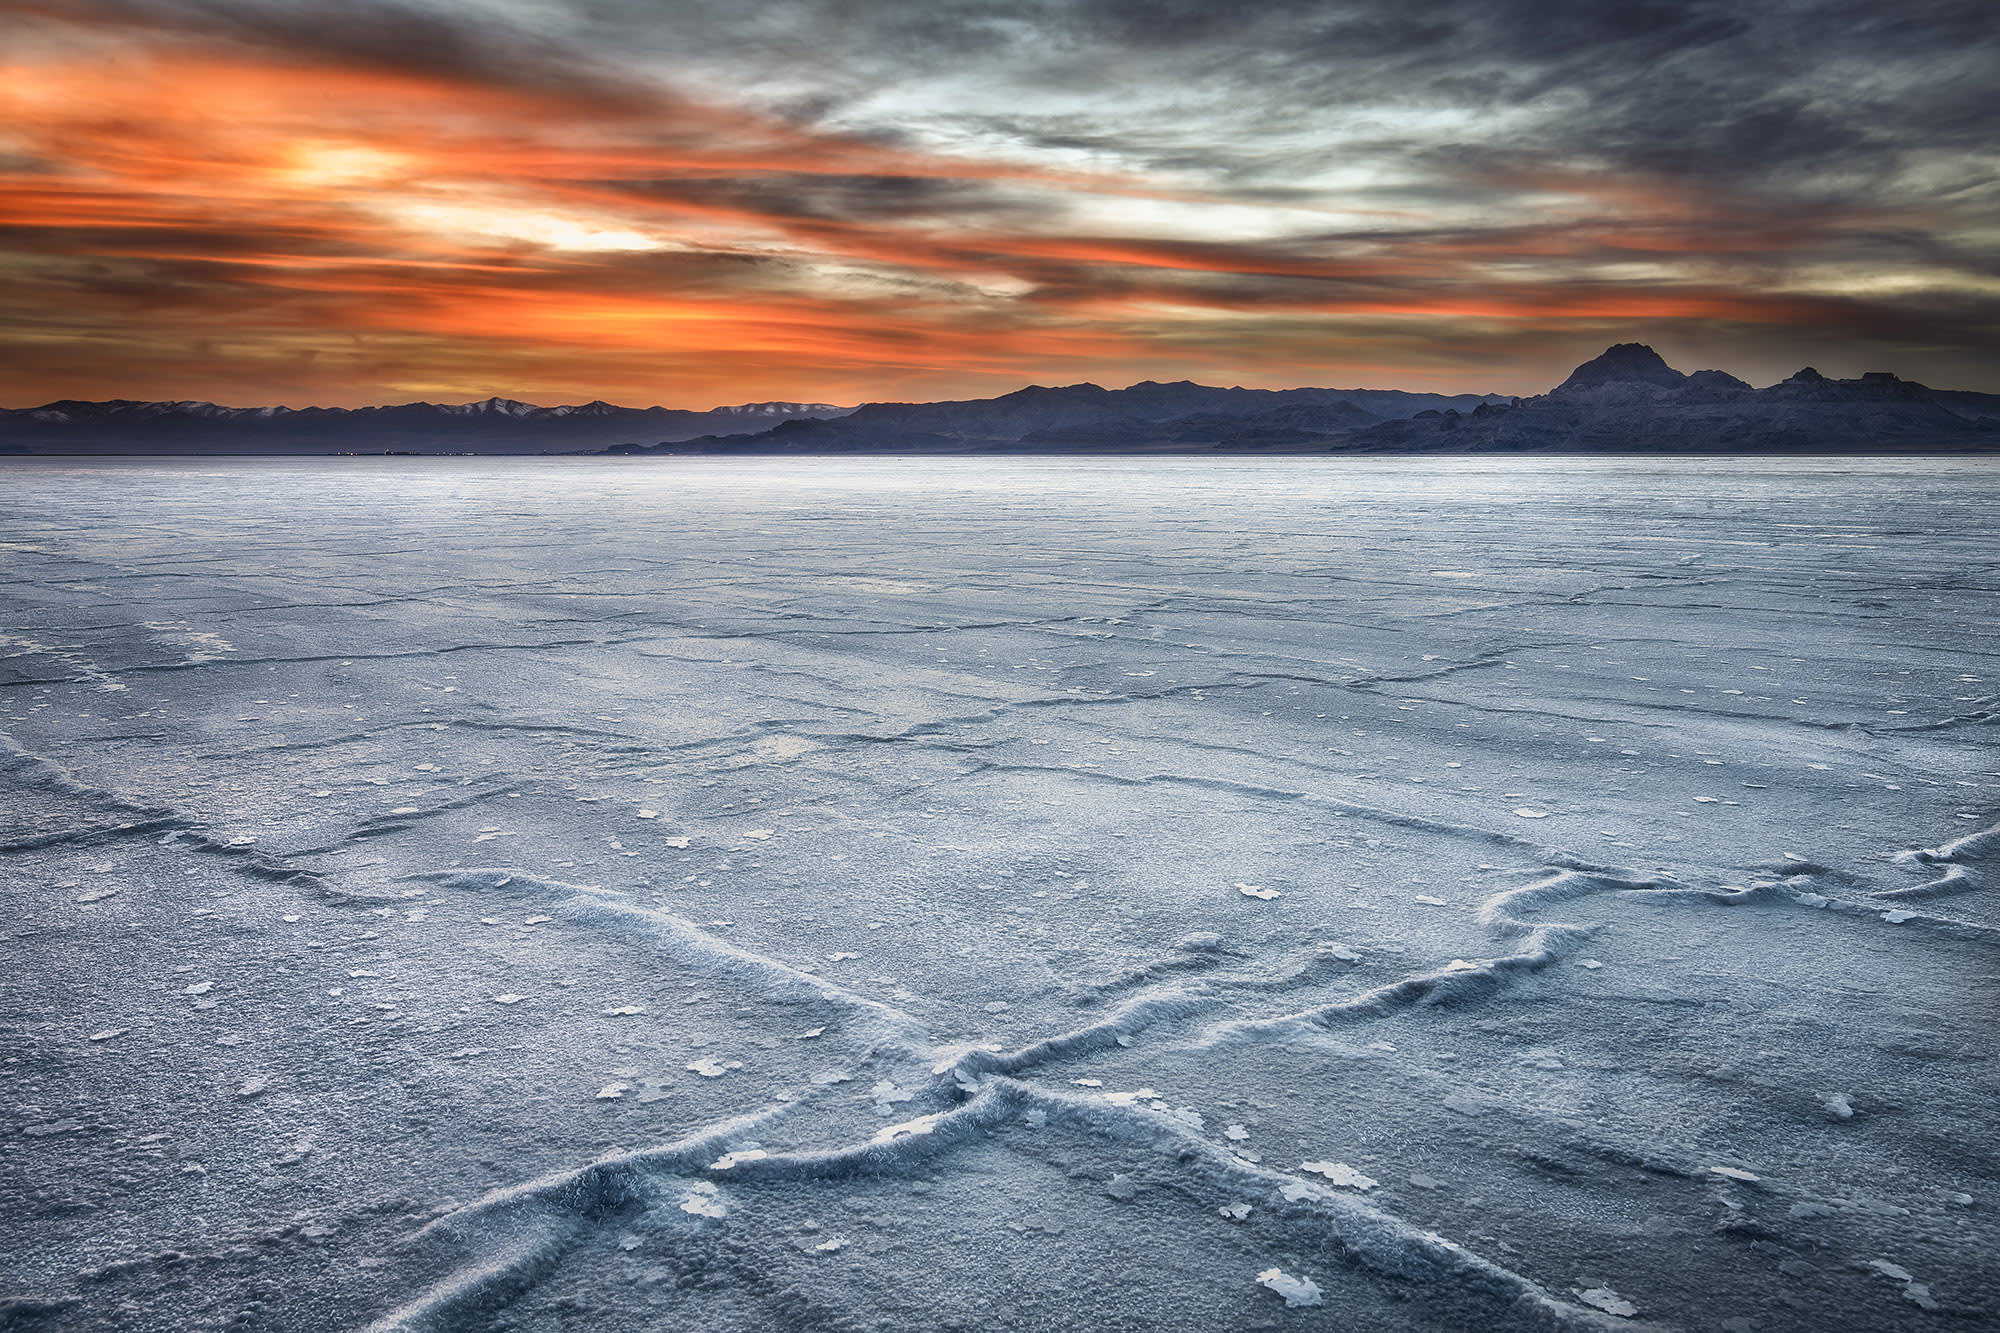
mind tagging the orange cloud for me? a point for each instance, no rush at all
(182, 219)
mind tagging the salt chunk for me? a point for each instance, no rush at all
(1609, 1301)
(1734, 1173)
(832, 1245)
(923, 1124)
(1079, 1082)
(1235, 1212)
(1035, 1118)
(760, 833)
(1794, 856)
(624, 1011)
(1297, 1291)
(1434, 902)
(1812, 900)
(97, 895)
(1122, 1187)
(1838, 1106)
(681, 843)
(647, 814)
(537, 920)
(253, 1085)
(1526, 813)
(508, 999)
(1298, 1190)
(709, 1067)
(361, 972)
(289, 918)
(611, 1092)
(702, 1201)
(840, 957)
(1236, 1132)
(199, 988)
(108, 1034)
(1898, 917)
(809, 1034)
(1256, 891)
(1340, 1173)
(887, 1093)
(1889, 1270)
(730, 1159)
(1589, 964)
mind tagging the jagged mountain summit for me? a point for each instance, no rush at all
(1626, 400)
(1625, 364)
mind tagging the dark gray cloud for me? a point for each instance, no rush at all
(1812, 97)
(466, 43)
(1706, 89)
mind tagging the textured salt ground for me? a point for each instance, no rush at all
(931, 759)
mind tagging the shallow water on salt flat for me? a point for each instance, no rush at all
(430, 885)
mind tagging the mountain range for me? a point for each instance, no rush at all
(1627, 400)
(490, 426)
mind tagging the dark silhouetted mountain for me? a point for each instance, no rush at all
(1630, 401)
(1624, 365)
(490, 426)
(1086, 418)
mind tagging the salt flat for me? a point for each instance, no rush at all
(1027, 894)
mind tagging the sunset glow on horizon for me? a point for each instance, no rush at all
(252, 201)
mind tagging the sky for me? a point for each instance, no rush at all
(700, 202)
